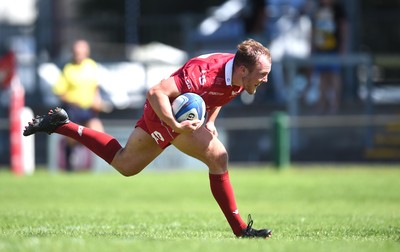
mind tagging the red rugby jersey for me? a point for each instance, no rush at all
(209, 76)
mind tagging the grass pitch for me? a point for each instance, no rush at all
(318, 209)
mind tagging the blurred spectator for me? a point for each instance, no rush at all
(79, 92)
(329, 38)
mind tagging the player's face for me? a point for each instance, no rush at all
(258, 76)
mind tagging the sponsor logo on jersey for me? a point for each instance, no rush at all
(202, 78)
(188, 83)
(216, 93)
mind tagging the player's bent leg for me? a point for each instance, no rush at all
(138, 152)
(202, 145)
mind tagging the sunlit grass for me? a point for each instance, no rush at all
(318, 209)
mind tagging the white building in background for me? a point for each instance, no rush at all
(18, 12)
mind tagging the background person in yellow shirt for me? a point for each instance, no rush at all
(79, 92)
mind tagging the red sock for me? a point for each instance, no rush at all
(102, 144)
(222, 191)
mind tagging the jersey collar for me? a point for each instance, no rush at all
(228, 72)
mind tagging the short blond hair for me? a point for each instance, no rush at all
(248, 53)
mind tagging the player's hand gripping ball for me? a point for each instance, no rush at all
(189, 106)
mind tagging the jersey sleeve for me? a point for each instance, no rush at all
(189, 77)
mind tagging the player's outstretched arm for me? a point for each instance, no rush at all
(210, 121)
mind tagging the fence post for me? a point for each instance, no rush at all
(17, 101)
(281, 141)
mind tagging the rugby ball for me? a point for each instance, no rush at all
(189, 106)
